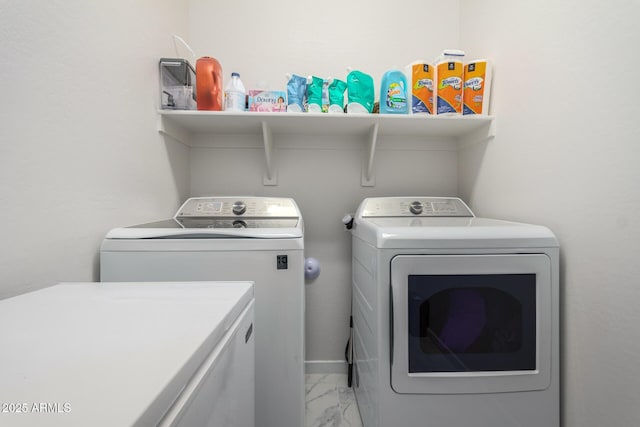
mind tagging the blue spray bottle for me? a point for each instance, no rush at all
(393, 93)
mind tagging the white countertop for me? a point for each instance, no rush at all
(108, 354)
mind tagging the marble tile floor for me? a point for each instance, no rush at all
(330, 402)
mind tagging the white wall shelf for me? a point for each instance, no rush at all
(183, 125)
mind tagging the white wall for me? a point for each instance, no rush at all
(321, 174)
(79, 150)
(566, 155)
(264, 40)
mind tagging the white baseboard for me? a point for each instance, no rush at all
(325, 367)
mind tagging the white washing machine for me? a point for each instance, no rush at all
(455, 317)
(259, 239)
(128, 354)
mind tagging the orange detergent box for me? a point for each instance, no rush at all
(477, 87)
(448, 92)
(422, 75)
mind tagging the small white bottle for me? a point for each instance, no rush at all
(235, 94)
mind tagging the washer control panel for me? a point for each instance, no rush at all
(415, 206)
(238, 207)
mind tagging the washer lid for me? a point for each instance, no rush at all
(110, 354)
(211, 229)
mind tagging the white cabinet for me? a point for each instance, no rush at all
(183, 125)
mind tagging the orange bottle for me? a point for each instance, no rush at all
(208, 84)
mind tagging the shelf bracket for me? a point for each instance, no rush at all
(270, 176)
(175, 132)
(482, 134)
(367, 179)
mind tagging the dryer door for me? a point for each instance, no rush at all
(471, 323)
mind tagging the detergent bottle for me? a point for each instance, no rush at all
(208, 84)
(393, 93)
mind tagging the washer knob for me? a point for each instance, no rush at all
(415, 208)
(239, 208)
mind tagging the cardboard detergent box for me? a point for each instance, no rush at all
(267, 101)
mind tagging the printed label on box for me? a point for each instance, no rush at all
(267, 101)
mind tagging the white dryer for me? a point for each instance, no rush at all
(259, 239)
(128, 354)
(455, 317)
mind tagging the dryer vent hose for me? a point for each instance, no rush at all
(348, 353)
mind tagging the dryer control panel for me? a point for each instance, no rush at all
(415, 206)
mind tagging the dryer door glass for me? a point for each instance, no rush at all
(471, 323)
(466, 323)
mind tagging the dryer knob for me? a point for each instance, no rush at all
(239, 208)
(415, 208)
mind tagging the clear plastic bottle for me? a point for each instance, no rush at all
(235, 94)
